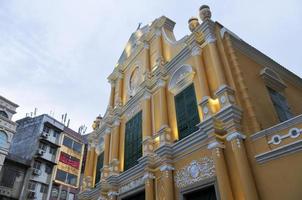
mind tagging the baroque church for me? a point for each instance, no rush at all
(206, 117)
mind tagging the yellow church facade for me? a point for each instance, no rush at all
(205, 117)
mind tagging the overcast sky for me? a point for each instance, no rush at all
(56, 54)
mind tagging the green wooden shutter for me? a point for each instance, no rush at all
(186, 112)
(99, 166)
(133, 141)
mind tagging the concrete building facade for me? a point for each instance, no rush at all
(7, 126)
(205, 117)
(38, 139)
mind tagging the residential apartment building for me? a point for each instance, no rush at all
(67, 174)
(204, 117)
(38, 139)
(7, 126)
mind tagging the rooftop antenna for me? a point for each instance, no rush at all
(68, 123)
(82, 129)
(35, 112)
(139, 25)
(65, 118)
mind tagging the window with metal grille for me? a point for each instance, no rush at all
(280, 104)
(99, 166)
(133, 140)
(43, 188)
(186, 112)
(9, 176)
(32, 185)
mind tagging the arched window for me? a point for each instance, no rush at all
(3, 114)
(3, 138)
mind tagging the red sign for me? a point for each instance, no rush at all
(69, 160)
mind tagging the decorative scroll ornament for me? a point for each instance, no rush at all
(196, 171)
(133, 184)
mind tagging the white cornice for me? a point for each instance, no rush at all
(235, 135)
(265, 61)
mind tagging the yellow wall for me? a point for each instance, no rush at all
(242, 74)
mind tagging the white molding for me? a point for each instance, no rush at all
(215, 144)
(148, 175)
(113, 193)
(196, 171)
(161, 83)
(131, 185)
(278, 127)
(279, 152)
(272, 79)
(277, 139)
(224, 30)
(166, 168)
(181, 78)
(235, 135)
(147, 95)
(196, 51)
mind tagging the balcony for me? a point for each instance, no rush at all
(45, 155)
(50, 138)
(278, 141)
(39, 175)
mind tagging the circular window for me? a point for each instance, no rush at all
(276, 139)
(294, 132)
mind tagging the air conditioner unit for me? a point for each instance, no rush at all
(45, 135)
(31, 195)
(37, 172)
(40, 152)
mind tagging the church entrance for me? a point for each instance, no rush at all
(138, 196)
(207, 193)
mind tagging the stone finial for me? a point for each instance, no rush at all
(193, 23)
(205, 13)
